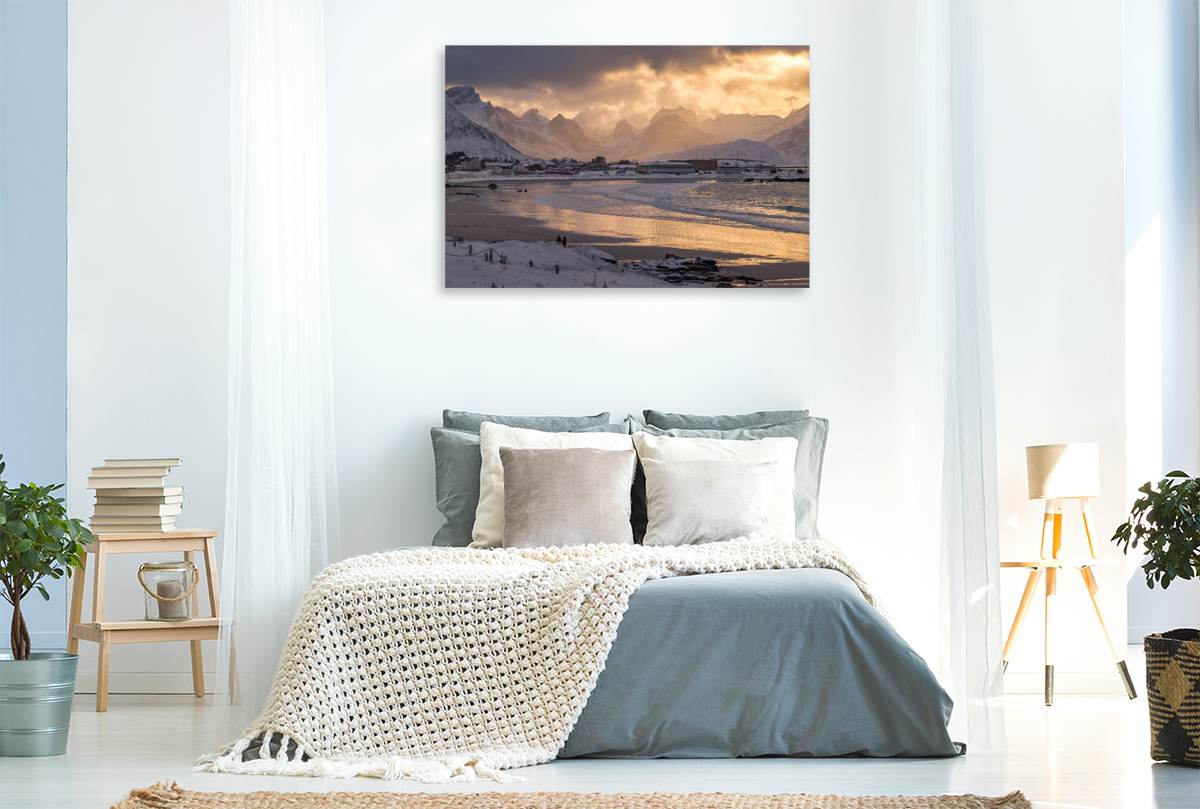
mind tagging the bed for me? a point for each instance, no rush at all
(571, 641)
(760, 663)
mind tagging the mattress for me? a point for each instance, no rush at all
(790, 662)
(760, 663)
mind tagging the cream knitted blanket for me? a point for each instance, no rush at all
(447, 666)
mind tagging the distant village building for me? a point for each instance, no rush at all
(729, 169)
(704, 165)
(503, 169)
(472, 164)
(666, 167)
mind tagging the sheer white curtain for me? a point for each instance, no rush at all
(281, 509)
(957, 428)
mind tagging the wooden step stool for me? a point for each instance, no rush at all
(106, 633)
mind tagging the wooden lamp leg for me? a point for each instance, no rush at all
(1035, 576)
(1051, 605)
(1048, 517)
(1086, 511)
(1057, 506)
(1093, 588)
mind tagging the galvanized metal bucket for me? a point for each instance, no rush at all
(35, 703)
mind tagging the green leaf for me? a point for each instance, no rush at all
(1166, 523)
(36, 538)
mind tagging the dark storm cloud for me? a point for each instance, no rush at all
(568, 67)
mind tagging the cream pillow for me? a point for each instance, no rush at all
(489, 514)
(690, 502)
(781, 516)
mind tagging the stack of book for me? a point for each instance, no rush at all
(132, 496)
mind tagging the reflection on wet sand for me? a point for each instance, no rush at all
(778, 258)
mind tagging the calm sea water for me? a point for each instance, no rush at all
(765, 205)
(786, 201)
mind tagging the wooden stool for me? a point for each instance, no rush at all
(106, 633)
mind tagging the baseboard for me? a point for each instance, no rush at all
(141, 683)
(1065, 682)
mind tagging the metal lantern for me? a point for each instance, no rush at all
(169, 587)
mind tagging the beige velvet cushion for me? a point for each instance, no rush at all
(566, 496)
(781, 515)
(690, 502)
(488, 531)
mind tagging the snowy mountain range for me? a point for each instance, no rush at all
(531, 133)
(742, 148)
(794, 139)
(464, 135)
(671, 134)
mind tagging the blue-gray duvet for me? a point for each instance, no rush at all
(760, 663)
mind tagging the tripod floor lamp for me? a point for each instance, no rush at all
(1059, 472)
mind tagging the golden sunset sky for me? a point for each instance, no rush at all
(631, 82)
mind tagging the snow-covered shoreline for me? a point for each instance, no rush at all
(550, 264)
(484, 177)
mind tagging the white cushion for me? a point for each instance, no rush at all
(489, 514)
(781, 517)
(691, 502)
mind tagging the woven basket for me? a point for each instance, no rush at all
(1173, 692)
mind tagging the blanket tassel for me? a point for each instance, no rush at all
(453, 770)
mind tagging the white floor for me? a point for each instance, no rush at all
(1082, 752)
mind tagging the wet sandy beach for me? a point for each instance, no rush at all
(506, 214)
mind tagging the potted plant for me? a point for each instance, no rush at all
(1166, 522)
(36, 688)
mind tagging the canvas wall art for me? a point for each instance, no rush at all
(638, 166)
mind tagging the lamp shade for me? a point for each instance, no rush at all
(1063, 470)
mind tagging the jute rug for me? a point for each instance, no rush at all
(162, 796)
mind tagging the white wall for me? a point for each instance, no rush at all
(149, 84)
(148, 247)
(1056, 249)
(406, 347)
(1162, 240)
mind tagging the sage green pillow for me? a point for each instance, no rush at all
(456, 465)
(811, 434)
(685, 421)
(463, 420)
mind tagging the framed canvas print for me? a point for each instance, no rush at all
(627, 166)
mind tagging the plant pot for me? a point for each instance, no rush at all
(35, 703)
(1173, 693)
